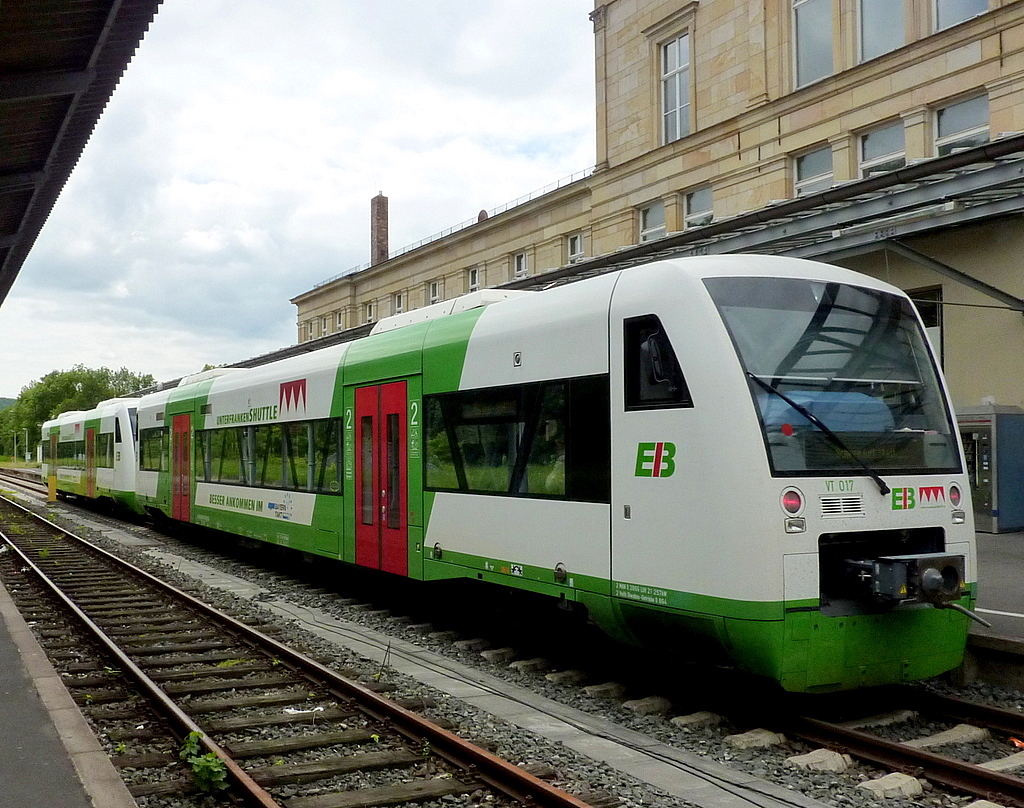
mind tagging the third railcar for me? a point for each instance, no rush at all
(751, 457)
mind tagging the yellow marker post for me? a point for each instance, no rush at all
(51, 485)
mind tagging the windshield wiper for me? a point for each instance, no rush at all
(832, 436)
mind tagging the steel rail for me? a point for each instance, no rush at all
(484, 766)
(940, 769)
(1009, 721)
(24, 481)
(254, 793)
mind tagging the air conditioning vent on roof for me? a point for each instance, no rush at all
(472, 300)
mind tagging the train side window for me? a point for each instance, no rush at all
(588, 447)
(488, 432)
(545, 467)
(153, 449)
(269, 456)
(203, 456)
(327, 453)
(653, 378)
(441, 471)
(227, 452)
(548, 439)
(104, 451)
(296, 456)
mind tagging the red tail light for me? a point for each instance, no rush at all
(792, 501)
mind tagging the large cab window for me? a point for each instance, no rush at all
(853, 358)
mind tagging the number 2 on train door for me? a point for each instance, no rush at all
(381, 486)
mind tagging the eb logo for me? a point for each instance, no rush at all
(655, 459)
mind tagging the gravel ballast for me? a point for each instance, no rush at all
(279, 601)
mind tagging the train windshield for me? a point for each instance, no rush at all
(854, 358)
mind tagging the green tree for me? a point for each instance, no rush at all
(79, 388)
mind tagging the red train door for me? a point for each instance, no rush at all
(51, 481)
(90, 463)
(181, 475)
(381, 499)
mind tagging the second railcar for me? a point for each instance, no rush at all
(91, 453)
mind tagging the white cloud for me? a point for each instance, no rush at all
(234, 167)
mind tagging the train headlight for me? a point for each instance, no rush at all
(954, 495)
(792, 501)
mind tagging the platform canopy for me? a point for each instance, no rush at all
(60, 61)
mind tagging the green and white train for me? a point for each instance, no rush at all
(750, 457)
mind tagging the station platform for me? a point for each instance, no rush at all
(1001, 584)
(50, 755)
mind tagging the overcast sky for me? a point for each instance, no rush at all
(234, 166)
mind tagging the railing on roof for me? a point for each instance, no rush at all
(547, 189)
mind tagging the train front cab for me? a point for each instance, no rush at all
(704, 550)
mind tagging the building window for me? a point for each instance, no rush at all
(339, 321)
(652, 221)
(574, 247)
(929, 305)
(397, 302)
(434, 292)
(814, 172)
(951, 12)
(881, 28)
(368, 313)
(812, 26)
(961, 126)
(520, 265)
(473, 279)
(882, 150)
(675, 89)
(323, 325)
(311, 329)
(697, 208)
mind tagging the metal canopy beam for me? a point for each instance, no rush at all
(920, 206)
(857, 241)
(42, 85)
(23, 179)
(919, 257)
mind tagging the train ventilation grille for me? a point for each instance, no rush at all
(844, 505)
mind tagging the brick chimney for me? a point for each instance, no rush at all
(378, 229)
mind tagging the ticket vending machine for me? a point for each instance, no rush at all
(993, 438)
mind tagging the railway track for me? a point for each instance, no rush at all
(271, 726)
(979, 775)
(961, 745)
(23, 482)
